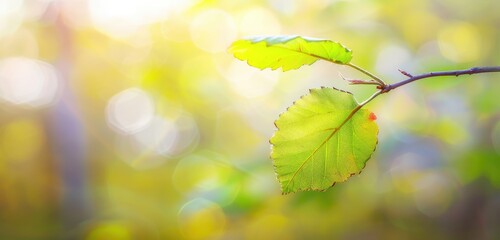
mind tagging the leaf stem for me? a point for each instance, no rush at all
(370, 98)
(357, 108)
(380, 81)
(474, 70)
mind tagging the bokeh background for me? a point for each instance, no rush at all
(128, 119)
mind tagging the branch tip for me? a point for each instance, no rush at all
(342, 76)
(456, 73)
(358, 81)
(405, 73)
(364, 82)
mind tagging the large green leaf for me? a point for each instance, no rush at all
(315, 147)
(288, 52)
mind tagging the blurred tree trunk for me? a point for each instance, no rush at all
(69, 135)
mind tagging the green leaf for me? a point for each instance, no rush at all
(288, 52)
(317, 144)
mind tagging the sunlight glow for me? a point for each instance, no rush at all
(213, 30)
(176, 28)
(390, 56)
(22, 43)
(259, 21)
(170, 137)
(11, 16)
(460, 42)
(162, 139)
(251, 82)
(121, 18)
(195, 172)
(28, 82)
(284, 6)
(159, 137)
(130, 111)
(187, 138)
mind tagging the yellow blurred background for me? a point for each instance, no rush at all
(128, 119)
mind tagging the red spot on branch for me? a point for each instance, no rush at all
(372, 116)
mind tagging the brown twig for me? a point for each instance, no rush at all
(362, 82)
(405, 73)
(359, 81)
(474, 70)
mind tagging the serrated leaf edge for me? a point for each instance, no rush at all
(326, 140)
(262, 39)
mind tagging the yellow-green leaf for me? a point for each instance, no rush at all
(315, 147)
(288, 52)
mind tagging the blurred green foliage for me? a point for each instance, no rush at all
(128, 120)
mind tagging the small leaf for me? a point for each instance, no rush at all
(315, 147)
(288, 52)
